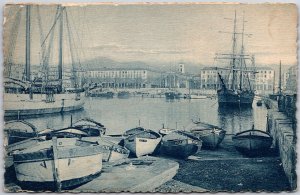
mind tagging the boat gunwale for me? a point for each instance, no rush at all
(157, 135)
(255, 130)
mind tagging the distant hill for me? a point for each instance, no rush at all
(103, 62)
(193, 68)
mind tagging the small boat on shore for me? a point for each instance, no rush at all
(111, 150)
(252, 142)
(69, 132)
(211, 135)
(180, 144)
(133, 131)
(18, 146)
(18, 130)
(143, 143)
(90, 126)
(166, 131)
(60, 163)
(123, 94)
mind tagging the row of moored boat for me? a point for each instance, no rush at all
(67, 157)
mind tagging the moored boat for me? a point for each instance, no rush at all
(252, 142)
(236, 87)
(123, 94)
(180, 144)
(60, 163)
(69, 132)
(211, 135)
(90, 126)
(99, 92)
(18, 146)
(111, 150)
(18, 130)
(166, 131)
(46, 94)
(197, 96)
(143, 143)
(172, 95)
(133, 131)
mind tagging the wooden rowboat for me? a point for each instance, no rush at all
(180, 144)
(90, 126)
(211, 135)
(111, 150)
(166, 131)
(60, 163)
(18, 130)
(133, 131)
(142, 143)
(252, 142)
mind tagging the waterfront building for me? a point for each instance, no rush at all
(292, 80)
(209, 77)
(264, 80)
(124, 77)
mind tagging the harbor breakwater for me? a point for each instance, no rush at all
(282, 127)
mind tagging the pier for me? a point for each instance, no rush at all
(282, 126)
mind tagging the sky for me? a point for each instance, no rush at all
(158, 34)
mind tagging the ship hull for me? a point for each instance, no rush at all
(23, 105)
(229, 98)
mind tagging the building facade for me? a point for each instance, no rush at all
(291, 80)
(123, 78)
(264, 80)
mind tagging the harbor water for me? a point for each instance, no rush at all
(119, 115)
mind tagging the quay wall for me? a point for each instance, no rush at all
(283, 130)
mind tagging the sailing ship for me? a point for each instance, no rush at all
(45, 94)
(238, 91)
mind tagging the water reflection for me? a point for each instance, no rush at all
(119, 115)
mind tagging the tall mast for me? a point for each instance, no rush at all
(27, 48)
(233, 53)
(242, 52)
(279, 78)
(60, 62)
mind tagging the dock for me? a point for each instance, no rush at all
(132, 175)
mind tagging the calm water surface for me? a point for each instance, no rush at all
(119, 115)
